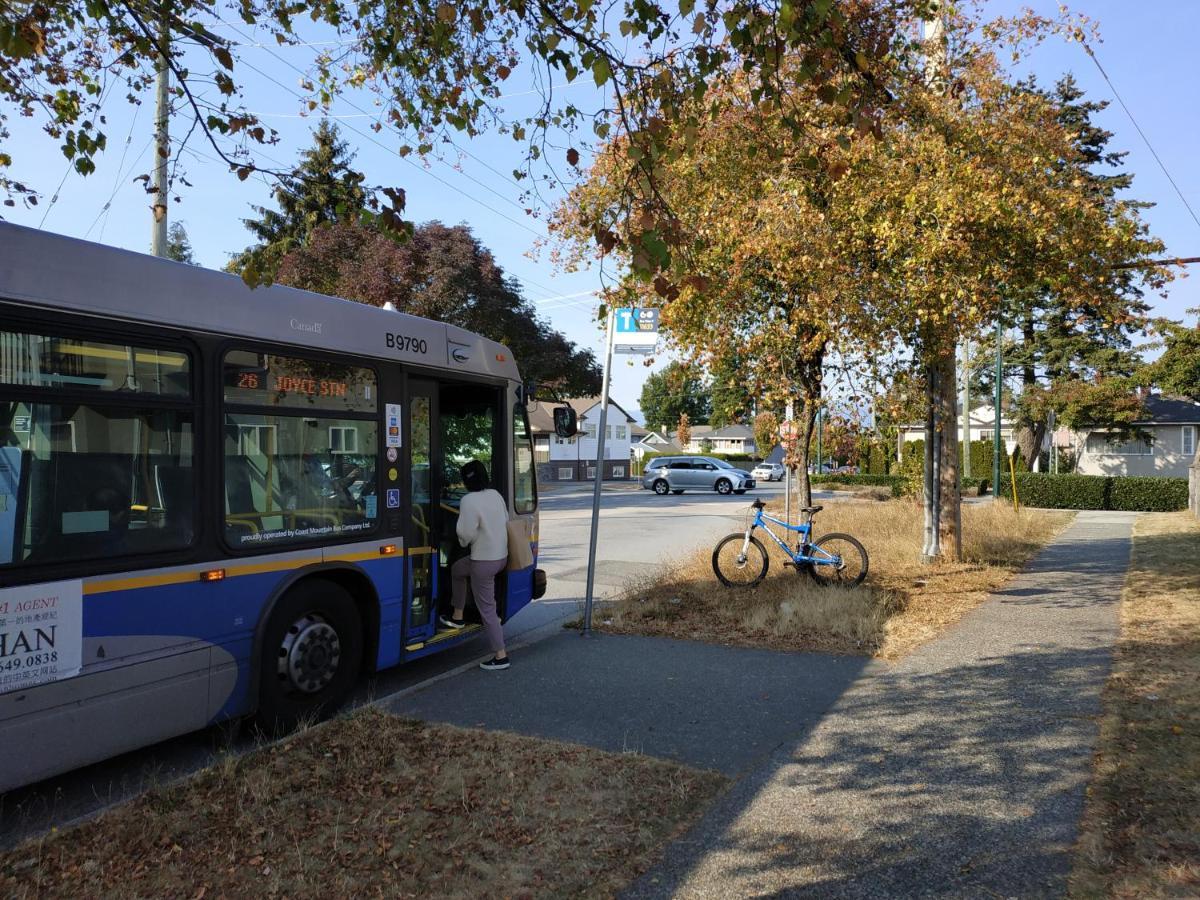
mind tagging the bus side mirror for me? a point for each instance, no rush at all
(565, 422)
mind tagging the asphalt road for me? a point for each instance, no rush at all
(638, 532)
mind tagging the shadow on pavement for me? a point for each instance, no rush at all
(711, 707)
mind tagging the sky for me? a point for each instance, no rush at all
(1147, 49)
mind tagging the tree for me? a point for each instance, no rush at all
(441, 273)
(732, 401)
(1177, 371)
(885, 251)
(683, 431)
(766, 433)
(1059, 341)
(323, 187)
(438, 70)
(179, 247)
(674, 391)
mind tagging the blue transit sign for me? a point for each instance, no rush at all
(636, 331)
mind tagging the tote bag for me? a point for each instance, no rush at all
(520, 555)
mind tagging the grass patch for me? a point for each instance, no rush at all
(1141, 829)
(374, 805)
(902, 604)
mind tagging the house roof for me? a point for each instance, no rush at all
(733, 431)
(541, 412)
(662, 447)
(637, 432)
(1170, 411)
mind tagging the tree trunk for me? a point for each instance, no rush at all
(1029, 439)
(949, 493)
(929, 550)
(808, 418)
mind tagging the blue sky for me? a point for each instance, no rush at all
(1148, 50)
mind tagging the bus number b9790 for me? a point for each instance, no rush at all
(406, 343)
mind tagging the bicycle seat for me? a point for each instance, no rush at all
(811, 510)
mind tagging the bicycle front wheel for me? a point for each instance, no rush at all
(838, 560)
(735, 569)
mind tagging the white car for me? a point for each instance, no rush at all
(769, 471)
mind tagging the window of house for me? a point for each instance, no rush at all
(1189, 440)
(590, 430)
(620, 432)
(565, 473)
(1104, 443)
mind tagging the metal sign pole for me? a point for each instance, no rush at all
(787, 470)
(589, 598)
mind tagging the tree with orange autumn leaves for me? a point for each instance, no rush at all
(814, 241)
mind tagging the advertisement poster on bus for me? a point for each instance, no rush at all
(41, 633)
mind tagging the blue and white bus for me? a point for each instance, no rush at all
(217, 502)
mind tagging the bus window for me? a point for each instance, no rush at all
(297, 473)
(524, 471)
(468, 431)
(82, 481)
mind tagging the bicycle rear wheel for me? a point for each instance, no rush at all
(735, 570)
(838, 560)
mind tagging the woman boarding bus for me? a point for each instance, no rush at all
(218, 502)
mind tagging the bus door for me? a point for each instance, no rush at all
(421, 531)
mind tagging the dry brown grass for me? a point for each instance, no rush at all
(373, 805)
(902, 604)
(1141, 828)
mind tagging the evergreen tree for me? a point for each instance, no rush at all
(179, 246)
(1059, 343)
(322, 188)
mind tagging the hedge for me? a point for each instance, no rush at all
(1120, 492)
(895, 482)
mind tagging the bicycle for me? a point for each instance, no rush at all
(740, 559)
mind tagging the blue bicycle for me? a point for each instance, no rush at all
(740, 559)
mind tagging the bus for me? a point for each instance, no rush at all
(218, 502)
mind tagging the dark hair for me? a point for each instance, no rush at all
(475, 475)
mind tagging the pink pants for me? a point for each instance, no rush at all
(481, 575)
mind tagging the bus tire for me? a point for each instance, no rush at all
(310, 657)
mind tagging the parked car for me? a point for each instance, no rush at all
(676, 474)
(846, 470)
(766, 471)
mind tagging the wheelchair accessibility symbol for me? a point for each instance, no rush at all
(393, 498)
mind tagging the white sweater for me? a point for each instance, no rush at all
(483, 524)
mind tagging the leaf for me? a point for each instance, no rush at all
(223, 56)
(502, 72)
(573, 156)
(686, 7)
(601, 71)
(699, 25)
(447, 13)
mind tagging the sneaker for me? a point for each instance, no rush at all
(452, 624)
(494, 665)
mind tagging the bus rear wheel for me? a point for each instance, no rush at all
(310, 657)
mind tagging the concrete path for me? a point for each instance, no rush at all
(959, 772)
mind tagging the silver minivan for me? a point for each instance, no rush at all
(676, 474)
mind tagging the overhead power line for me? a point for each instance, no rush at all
(1149, 146)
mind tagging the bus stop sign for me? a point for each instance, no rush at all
(636, 331)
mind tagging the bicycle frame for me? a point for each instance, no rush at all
(805, 554)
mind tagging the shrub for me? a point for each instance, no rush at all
(1121, 492)
(1149, 494)
(895, 482)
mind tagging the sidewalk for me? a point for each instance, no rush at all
(958, 772)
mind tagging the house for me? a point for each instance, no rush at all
(1167, 449)
(732, 439)
(981, 427)
(574, 458)
(652, 441)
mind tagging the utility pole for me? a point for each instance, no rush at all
(966, 409)
(996, 411)
(162, 138)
